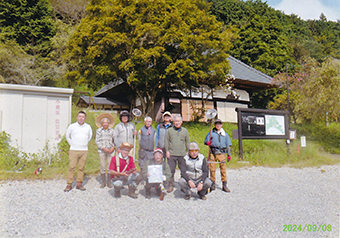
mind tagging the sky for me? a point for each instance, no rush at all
(308, 9)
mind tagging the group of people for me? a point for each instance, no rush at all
(160, 152)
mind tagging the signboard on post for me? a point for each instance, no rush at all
(261, 124)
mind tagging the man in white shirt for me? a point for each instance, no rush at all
(78, 135)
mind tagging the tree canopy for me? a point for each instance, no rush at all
(149, 44)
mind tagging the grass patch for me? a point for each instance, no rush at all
(269, 153)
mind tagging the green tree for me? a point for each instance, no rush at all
(150, 45)
(314, 89)
(27, 22)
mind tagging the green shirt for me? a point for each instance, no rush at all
(177, 141)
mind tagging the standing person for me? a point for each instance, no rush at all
(176, 146)
(78, 135)
(220, 146)
(158, 159)
(194, 173)
(146, 142)
(162, 129)
(124, 131)
(123, 171)
(104, 141)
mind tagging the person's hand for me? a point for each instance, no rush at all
(168, 154)
(135, 133)
(228, 158)
(111, 150)
(105, 150)
(147, 175)
(199, 186)
(192, 184)
(209, 143)
(124, 174)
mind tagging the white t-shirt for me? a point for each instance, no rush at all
(78, 136)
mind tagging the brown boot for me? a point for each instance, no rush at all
(224, 187)
(103, 181)
(108, 181)
(132, 192)
(68, 188)
(80, 186)
(171, 186)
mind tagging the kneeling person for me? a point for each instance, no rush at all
(158, 159)
(123, 170)
(194, 173)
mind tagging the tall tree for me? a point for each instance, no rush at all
(149, 44)
(27, 22)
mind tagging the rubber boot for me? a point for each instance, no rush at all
(103, 181)
(171, 186)
(148, 193)
(212, 187)
(117, 193)
(108, 181)
(224, 187)
(132, 192)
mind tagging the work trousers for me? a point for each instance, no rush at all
(118, 183)
(76, 157)
(186, 188)
(173, 161)
(223, 167)
(105, 160)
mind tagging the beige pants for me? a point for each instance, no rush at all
(76, 157)
(105, 160)
(223, 167)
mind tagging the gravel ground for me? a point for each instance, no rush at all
(261, 202)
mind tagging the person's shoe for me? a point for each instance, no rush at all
(68, 188)
(212, 187)
(225, 188)
(103, 181)
(187, 196)
(117, 193)
(108, 181)
(171, 188)
(132, 192)
(203, 197)
(80, 186)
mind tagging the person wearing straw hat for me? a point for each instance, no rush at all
(194, 173)
(123, 171)
(124, 131)
(158, 159)
(105, 144)
(220, 143)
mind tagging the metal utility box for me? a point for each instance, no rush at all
(34, 115)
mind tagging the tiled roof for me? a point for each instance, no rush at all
(101, 101)
(243, 71)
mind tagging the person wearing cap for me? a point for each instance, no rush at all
(146, 137)
(123, 171)
(158, 159)
(194, 173)
(124, 131)
(219, 143)
(78, 135)
(105, 144)
(162, 129)
(176, 146)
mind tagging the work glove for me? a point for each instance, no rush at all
(209, 143)
(228, 158)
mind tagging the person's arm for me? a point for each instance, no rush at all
(205, 170)
(207, 139)
(187, 140)
(89, 134)
(167, 143)
(68, 134)
(98, 139)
